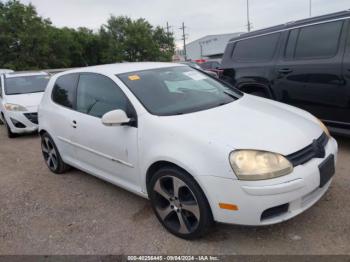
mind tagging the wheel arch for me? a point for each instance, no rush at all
(253, 86)
(42, 132)
(154, 167)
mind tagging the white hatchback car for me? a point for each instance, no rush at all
(201, 151)
(20, 96)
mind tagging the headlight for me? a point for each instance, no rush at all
(259, 165)
(13, 107)
(324, 128)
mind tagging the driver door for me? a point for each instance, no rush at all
(109, 152)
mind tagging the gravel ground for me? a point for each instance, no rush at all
(75, 213)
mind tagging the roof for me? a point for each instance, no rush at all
(22, 74)
(120, 68)
(5, 71)
(316, 19)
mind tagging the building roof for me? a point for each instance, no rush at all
(209, 45)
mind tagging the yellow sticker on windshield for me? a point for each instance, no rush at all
(134, 78)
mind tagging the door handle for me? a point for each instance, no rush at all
(285, 70)
(74, 124)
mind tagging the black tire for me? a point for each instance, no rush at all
(172, 209)
(52, 156)
(10, 134)
(260, 94)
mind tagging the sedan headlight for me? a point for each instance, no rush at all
(324, 128)
(14, 107)
(259, 165)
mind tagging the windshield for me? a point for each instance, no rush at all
(26, 84)
(178, 90)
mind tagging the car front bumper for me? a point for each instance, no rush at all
(26, 118)
(283, 197)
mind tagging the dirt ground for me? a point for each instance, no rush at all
(75, 213)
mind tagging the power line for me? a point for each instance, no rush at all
(184, 39)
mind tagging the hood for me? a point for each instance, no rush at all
(30, 101)
(251, 123)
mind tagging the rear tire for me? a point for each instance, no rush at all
(51, 155)
(179, 203)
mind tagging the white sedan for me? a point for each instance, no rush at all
(20, 96)
(200, 150)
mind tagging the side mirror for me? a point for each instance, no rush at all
(115, 118)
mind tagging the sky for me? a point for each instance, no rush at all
(201, 17)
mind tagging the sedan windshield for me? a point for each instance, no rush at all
(26, 84)
(178, 90)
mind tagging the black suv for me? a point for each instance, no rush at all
(304, 63)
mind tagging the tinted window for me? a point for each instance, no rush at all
(216, 65)
(257, 49)
(64, 90)
(26, 84)
(292, 39)
(318, 40)
(98, 95)
(177, 90)
(206, 65)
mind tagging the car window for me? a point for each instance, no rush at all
(256, 49)
(216, 65)
(0, 86)
(26, 84)
(98, 95)
(206, 65)
(64, 90)
(178, 90)
(318, 41)
(292, 40)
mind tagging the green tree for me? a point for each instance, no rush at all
(135, 40)
(23, 38)
(28, 41)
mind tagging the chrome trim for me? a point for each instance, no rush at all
(97, 153)
(291, 28)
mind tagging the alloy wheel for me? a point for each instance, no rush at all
(176, 205)
(49, 152)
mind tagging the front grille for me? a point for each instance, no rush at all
(33, 117)
(311, 151)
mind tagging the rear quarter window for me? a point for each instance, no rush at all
(318, 41)
(256, 49)
(64, 90)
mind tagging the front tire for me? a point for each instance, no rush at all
(51, 155)
(10, 134)
(179, 203)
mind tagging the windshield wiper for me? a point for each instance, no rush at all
(230, 95)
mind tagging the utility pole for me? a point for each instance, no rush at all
(248, 17)
(184, 39)
(310, 8)
(168, 29)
